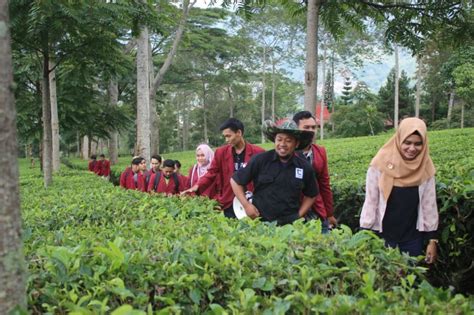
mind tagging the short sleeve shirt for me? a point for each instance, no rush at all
(278, 185)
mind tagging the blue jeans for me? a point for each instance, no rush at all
(412, 248)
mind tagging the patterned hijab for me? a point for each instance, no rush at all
(397, 171)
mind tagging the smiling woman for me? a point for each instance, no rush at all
(400, 201)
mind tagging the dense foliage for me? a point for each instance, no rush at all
(95, 248)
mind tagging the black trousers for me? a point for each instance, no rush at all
(229, 213)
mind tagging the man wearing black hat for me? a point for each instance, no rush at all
(279, 176)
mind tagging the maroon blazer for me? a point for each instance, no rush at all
(166, 188)
(210, 191)
(221, 171)
(94, 166)
(127, 182)
(323, 204)
(104, 168)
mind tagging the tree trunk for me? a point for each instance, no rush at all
(169, 58)
(113, 143)
(204, 99)
(262, 109)
(12, 268)
(395, 112)
(185, 124)
(46, 104)
(78, 143)
(143, 96)
(54, 118)
(311, 68)
(231, 102)
(85, 147)
(323, 91)
(333, 103)
(93, 146)
(418, 87)
(273, 89)
(154, 141)
(433, 110)
(450, 107)
(462, 114)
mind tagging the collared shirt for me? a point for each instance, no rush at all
(278, 185)
(308, 156)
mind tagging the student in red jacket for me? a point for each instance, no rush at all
(94, 164)
(316, 156)
(227, 159)
(155, 162)
(133, 177)
(167, 181)
(182, 178)
(204, 157)
(104, 166)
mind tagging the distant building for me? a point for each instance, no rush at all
(326, 113)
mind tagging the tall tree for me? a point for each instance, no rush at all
(12, 271)
(143, 96)
(347, 90)
(397, 81)
(54, 119)
(387, 96)
(311, 68)
(58, 32)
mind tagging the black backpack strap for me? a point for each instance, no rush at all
(126, 177)
(157, 181)
(147, 179)
(176, 183)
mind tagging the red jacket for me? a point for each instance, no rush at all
(166, 188)
(193, 178)
(323, 204)
(104, 168)
(127, 181)
(94, 166)
(221, 171)
(147, 176)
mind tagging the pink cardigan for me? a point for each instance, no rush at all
(374, 206)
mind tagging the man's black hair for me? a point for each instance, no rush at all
(137, 160)
(93, 157)
(168, 163)
(177, 163)
(102, 155)
(233, 124)
(304, 114)
(157, 157)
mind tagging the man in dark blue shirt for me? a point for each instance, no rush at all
(280, 177)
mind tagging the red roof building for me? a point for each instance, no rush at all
(326, 113)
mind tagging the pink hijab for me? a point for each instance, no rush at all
(209, 155)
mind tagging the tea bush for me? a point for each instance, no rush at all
(453, 155)
(93, 248)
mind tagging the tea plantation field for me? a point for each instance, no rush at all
(93, 248)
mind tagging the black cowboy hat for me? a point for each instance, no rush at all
(287, 126)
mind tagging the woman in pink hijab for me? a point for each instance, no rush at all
(204, 157)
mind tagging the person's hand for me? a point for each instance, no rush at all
(252, 211)
(189, 191)
(431, 252)
(332, 222)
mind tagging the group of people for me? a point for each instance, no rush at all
(292, 181)
(100, 167)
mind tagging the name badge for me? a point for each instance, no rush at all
(299, 173)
